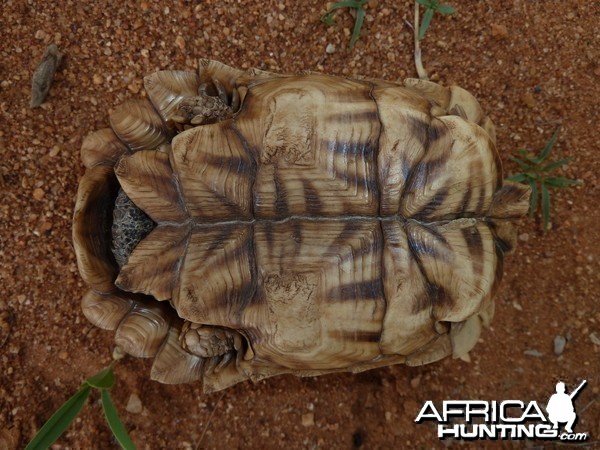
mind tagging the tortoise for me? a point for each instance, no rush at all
(237, 225)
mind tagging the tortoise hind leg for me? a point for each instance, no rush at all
(208, 341)
(219, 348)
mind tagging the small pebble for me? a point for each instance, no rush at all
(534, 353)
(499, 31)
(330, 49)
(595, 338)
(524, 237)
(134, 404)
(308, 419)
(517, 306)
(38, 194)
(180, 42)
(45, 226)
(559, 344)
(415, 382)
(528, 100)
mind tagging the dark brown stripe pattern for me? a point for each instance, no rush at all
(215, 172)
(315, 290)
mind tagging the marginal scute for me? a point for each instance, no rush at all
(210, 70)
(91, 224)
(467, 103)
(172, 364)
(454, 100)
(105, 310)
(464, 335)
(102, 147)
(143, 330)
(168, 87)
(438, 348)
(511, 201)
(505, 234)
(433, 92)
(490, 128)
(139, 126)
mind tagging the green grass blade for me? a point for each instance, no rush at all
(522, 164)
(560, 182)
(519, 178)
(548, 147)
(554, 165)
(326, 18)
(545, 206)
(344, 4)
(360, 16)
(59, 421)
(115, 423)
(525, 155)
(445, 9)
(103, 379)
(425, 23)
(425, 3)
(533, 205)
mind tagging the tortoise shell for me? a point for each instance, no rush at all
(298, 224)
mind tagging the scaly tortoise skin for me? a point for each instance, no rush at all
(300, 224)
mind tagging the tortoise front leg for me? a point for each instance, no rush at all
(202, 110)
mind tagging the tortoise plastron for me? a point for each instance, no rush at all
(242, 224)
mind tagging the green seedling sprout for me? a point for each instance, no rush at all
(536, 173)
(432, 6)
(327, 18)
(63, 417)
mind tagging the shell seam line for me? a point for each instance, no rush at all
(381, 228)
(195, 223)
